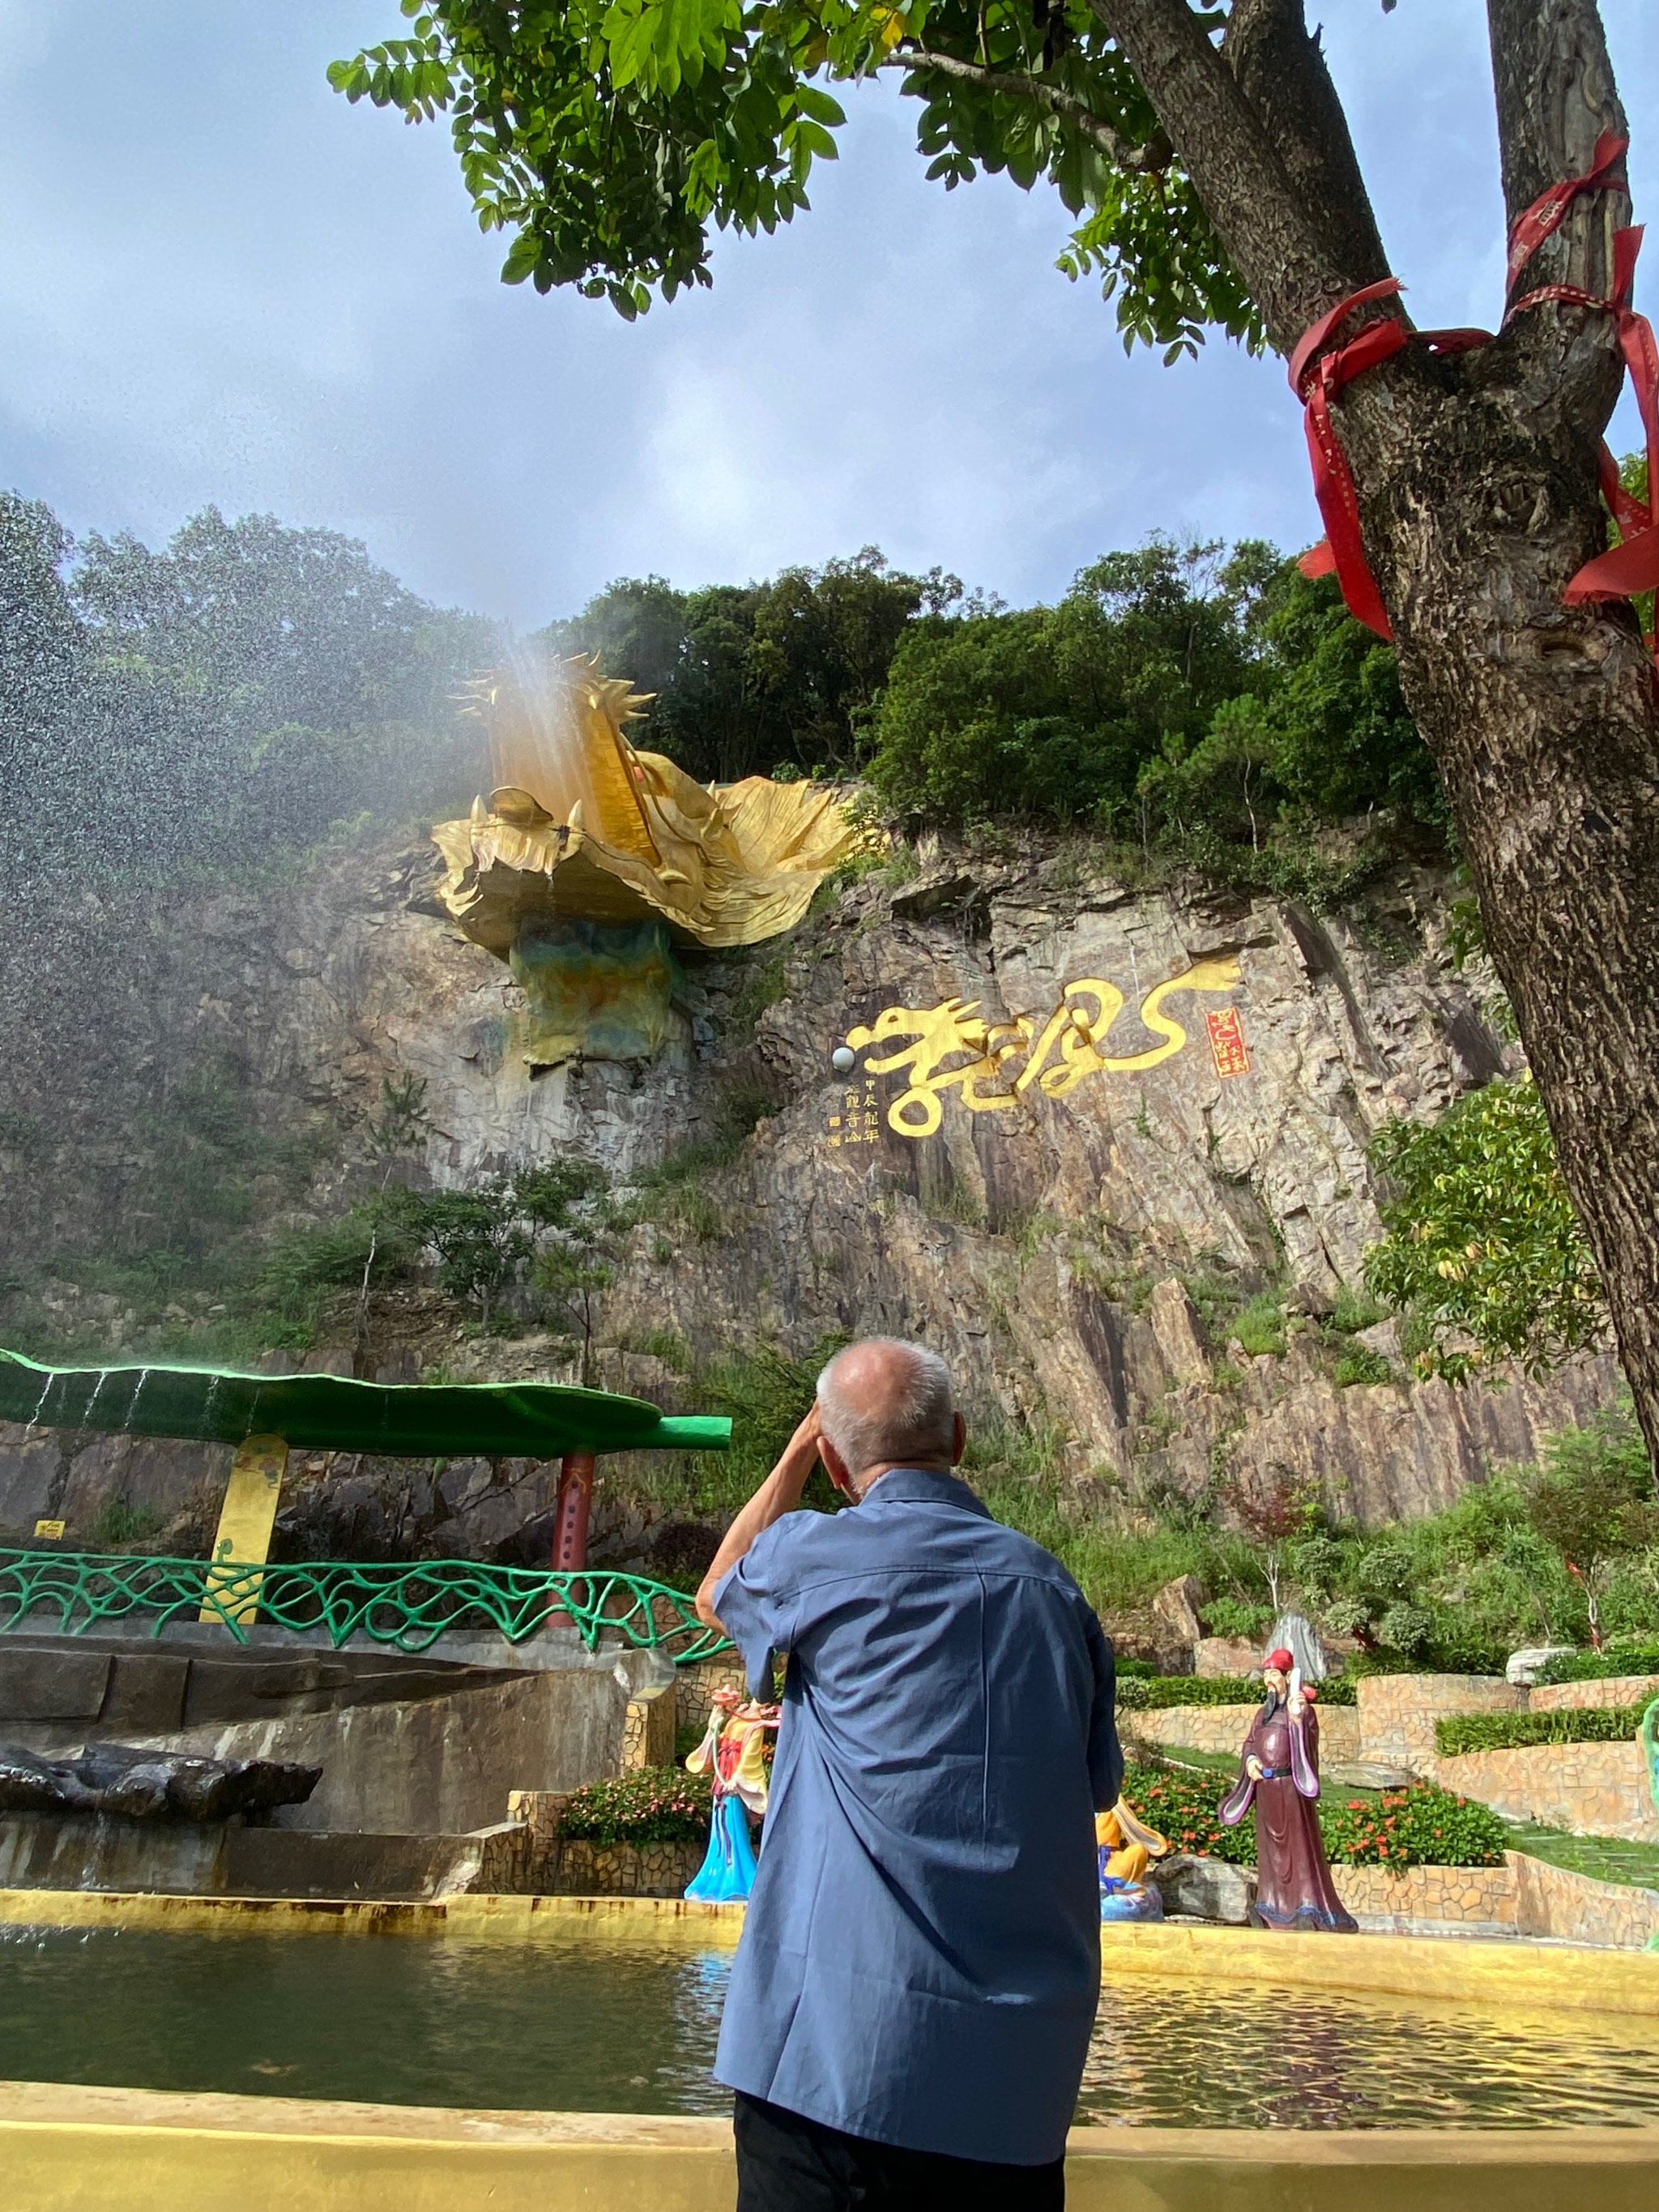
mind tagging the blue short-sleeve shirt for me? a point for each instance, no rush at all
(920, 1961)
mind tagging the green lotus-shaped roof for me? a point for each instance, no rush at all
(331, 1412)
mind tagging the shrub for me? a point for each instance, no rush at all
(658, 1805)
(1183, 1806)
(1160, 1690)
(1461, 1732)
(1622, 1655)
(1237, 1616)
(1483, 1245)
(1421, 1825)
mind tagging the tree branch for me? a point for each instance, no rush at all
(1281, 71)
(1284, 247)
(1556, 94)
(1156, 155)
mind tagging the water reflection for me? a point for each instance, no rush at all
(585, 2022)
(1183, 2054)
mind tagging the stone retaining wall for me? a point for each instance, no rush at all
(648, 1726)
(1476, 1900)
(1590, 1789)
(1397, 1713)
(626, 1869)
(1615, 1690)
(1523, 1897)
(694, 1687)
(1551, 1900)
(1223, 1728)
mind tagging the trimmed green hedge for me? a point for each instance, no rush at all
(657, 1805)
(1142, 1693)
(1422, 1825)
(1601, 1666)
(1461, 1732)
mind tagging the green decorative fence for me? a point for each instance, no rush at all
(409, 1606)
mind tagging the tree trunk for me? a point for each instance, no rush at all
(1478, 501)
(1477, 485)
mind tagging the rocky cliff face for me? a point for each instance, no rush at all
(1080, 1253)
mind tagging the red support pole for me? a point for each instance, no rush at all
(570, 1519)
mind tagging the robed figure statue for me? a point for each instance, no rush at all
(1279, 1774)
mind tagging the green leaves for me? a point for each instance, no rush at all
(609, 138)
(1483, 1247)
(658, 44)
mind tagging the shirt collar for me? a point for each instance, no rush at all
(918, 1486)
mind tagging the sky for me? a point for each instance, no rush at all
(220, 283)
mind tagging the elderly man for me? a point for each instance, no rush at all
(912, 1999)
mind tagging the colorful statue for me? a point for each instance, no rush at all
(1126, 1848)
(731, 1755)
(593, 862)
(1279, 1773)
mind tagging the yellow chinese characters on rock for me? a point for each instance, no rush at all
(981, 1060)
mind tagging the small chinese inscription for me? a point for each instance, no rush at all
(1227, 1046)
(53, 1528)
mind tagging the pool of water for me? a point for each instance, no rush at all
(577, 2024)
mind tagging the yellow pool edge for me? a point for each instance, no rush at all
(1535, 1976)
(66, 2150)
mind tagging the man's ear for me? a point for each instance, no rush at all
(959, 1443)
(836, 1467)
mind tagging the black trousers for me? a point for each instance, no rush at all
(787, 2163)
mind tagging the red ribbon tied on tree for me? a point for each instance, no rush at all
(1319, 370)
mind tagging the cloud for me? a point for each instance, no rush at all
(223, 283)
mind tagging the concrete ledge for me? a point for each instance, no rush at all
(117, 2150)
(518, 1918)
(1511, 1976)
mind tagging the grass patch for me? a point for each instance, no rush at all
(1259, 1325)
(1360, 1364)
(1603, 1858)
(1355, 1310)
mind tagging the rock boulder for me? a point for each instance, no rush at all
(1202, 1888)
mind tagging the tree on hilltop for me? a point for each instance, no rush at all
(1206, 154)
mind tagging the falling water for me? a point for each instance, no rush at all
(91, 1407)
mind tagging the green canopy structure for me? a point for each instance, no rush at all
(332, 1412)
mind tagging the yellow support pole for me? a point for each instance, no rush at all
(245, 1520)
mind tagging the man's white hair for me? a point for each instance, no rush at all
(914, 1419)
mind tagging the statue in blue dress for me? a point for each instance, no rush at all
(731, 1755)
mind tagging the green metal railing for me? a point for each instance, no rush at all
(409, 1606)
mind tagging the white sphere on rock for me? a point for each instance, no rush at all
(841, 1059)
